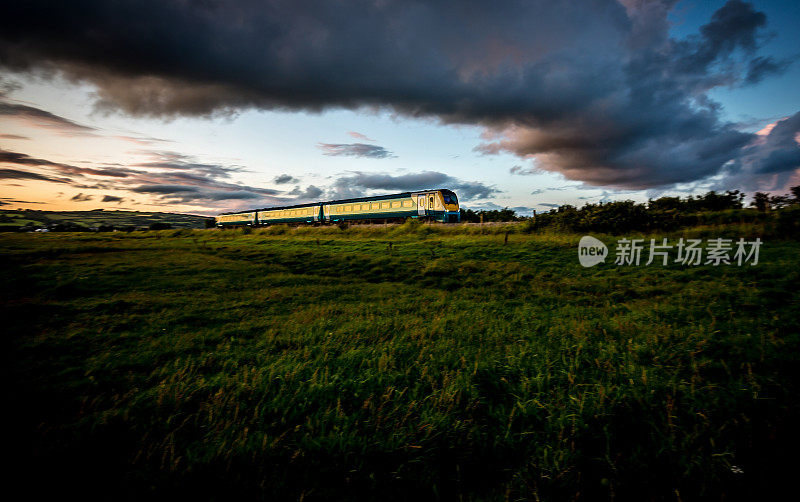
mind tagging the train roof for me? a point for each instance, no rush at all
(343, 201)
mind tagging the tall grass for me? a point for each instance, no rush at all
(390, 362)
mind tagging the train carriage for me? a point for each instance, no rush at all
(435, 205)
(237, 219)
(303, 213)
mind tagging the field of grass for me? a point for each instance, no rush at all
(395, 362)
(97, 218)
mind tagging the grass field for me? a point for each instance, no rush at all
(395, 362)
(96, 218)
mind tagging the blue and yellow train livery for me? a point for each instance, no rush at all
(434, 205)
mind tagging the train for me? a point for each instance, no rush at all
(433, 205)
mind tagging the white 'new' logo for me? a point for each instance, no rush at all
(591, 251)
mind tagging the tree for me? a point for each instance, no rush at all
(760, 201)
(795, 194)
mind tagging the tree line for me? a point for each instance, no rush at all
(664, 213)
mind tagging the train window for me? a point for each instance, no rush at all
(407, 203)
(431, 202)
(365, 207)
(384, 205)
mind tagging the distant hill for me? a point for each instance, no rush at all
(12, 220)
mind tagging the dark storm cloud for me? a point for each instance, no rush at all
(733, 26)
(358, 183)
(112, 198)
(770, 161)
(284, 179)
(597, 90)
(81, 198)
(355, 150)
(762, 67)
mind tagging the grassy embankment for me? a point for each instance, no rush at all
(395, 362)
(120, 219)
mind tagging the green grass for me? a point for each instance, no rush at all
(317, 363)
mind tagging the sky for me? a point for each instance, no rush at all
(211, 106)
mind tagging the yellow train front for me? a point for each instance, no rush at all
(434, 205)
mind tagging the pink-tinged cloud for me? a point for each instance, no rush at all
(359, 136)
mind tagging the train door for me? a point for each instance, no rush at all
(421, 205)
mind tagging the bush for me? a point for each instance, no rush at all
(274, 230)
(788, 224)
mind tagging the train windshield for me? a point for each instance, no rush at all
(449, 198)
